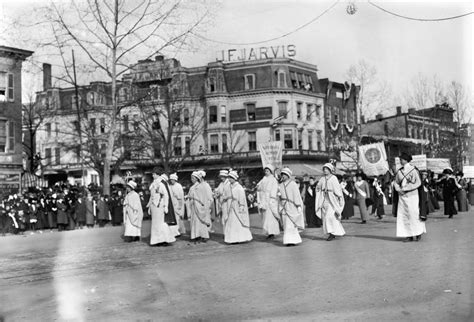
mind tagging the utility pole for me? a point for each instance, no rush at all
(76, 94)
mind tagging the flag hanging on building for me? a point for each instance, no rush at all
(272, 153)
(373, 159)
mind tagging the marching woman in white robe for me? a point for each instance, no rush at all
(407, 182)
(267, 197)
(177, 197)
(237, 222)
(161, 234)
(291, 209)
(329, 203)
(198, 208)
(132, 213)
(209, 197)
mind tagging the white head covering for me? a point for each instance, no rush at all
(287, 171)
(132, 184)
(196, 175)
(269, 167)
(329, 166)
(223, 173)
(201, 173)
(234, 175)
(174, 177)
(164, 177)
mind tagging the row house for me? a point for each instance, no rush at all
(11, 162)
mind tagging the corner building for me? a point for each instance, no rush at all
(243, 104)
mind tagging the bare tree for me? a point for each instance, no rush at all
(374, 95)
(459, 100)
(110, 34)
(166, 118)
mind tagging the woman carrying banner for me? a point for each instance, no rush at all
(267, 194)
(330, 203)
(237, 221)
(291, 209)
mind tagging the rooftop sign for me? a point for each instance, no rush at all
(235, 55)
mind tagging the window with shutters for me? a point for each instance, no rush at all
(11, 136)
(48, 129)
(310, 140)
(47, 155)
(187, 145)
(223, 114)
(299, 106)
(177, 146)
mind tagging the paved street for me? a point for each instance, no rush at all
(368, 275)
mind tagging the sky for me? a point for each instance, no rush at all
(398, 48)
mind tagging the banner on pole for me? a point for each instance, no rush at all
(373, 159)
(272, 153)
(468, 171)
(419, 161)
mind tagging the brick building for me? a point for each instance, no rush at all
(431, 131)
(11, 163)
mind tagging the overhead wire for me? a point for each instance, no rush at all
(420, 19)
(274, 38)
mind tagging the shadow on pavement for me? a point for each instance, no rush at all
(394, 239)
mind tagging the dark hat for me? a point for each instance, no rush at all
(405, 156)
(448, 171)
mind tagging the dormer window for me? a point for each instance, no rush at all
(249, 81)
(281, 79)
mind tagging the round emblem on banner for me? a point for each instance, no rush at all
(373, 155)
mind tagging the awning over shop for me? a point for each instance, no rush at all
(30, 180)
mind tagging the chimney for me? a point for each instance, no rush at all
(159, 58)
(411, 110)
(379, 116)
(46, 76)
(399, 110)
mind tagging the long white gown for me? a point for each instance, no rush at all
(267, 197)
(237, 221)
(291, 210)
